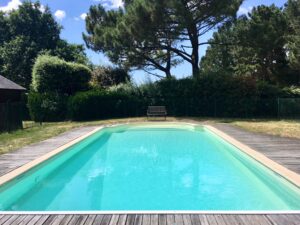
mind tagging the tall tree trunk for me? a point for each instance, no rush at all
(168, 66)
(195, 51)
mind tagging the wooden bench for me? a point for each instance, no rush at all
(155, 111)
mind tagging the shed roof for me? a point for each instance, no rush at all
(9, 85)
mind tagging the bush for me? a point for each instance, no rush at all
(51, 74)
(100, 104)
(103, 77)
(47, 107)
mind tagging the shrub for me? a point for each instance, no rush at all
(47, 107)
(99, 104)
(51, 74)
(103, 77)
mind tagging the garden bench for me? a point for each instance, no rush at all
(155, 111)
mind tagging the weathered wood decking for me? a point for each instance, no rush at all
(153, 219)
(284, 151)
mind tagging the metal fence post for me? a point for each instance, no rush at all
(278, 108)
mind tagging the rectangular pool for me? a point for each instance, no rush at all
(150, 167)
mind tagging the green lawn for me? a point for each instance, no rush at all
(34, 132)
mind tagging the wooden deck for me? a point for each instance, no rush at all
(283, 150)
(153, 219)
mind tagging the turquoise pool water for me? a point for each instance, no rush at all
(150, 167)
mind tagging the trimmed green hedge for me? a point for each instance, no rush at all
(208, 96)
(99, 104)
(51, 74)
(48, 107)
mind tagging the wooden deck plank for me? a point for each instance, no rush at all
(285, 151)
(5, 218)
(114, 219)
(106, 220)
(98, 219)
(18, 220)
(90, 220)
(130, 219)
(54, 220)
(26, 220)
(138, 220)
(162, 219)
(154, 219)
(122, 219)
(146, 219)
(187, 219)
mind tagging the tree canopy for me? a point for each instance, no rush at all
(27, 32)
(156, 33)
(253, 45)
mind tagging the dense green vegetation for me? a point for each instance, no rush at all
(251, 60)
(27, 32)
(161, 44)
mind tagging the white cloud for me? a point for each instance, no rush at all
(60, 14)
(83, 16)
(13, 4)
(113, 4)
(244, 10)
(42, 8)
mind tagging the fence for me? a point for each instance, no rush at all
(288, 108)
(11, 116)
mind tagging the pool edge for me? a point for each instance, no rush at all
(26, 167)
(261, 158)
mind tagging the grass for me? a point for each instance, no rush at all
(282, 128)
(35, 133)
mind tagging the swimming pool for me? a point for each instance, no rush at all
(150, 167)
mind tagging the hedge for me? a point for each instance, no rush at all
(47, 107)
(51, 74)
(99, 104)
(209, 96)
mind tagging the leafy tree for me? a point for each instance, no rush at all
(69, 52)
(292, 11)
(173, 30)
(27, 31)
(109, 76)
(251, 46)
(17, 57)
(111, 32)
(36, 24)
(4, 28)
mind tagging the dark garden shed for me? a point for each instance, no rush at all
(10, 105)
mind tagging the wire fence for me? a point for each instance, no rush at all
(288, 108)
(13, 114)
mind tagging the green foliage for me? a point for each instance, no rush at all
(99, 104)
(251, 46)
(51, 74)
(172, 32)
(69, 52)
(47, 107)
(4, 28)
(292, 11)
(16, 57)
(108, 76)
(27, 32)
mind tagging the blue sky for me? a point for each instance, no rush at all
(71, 13)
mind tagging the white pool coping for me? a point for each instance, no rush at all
(279, 169)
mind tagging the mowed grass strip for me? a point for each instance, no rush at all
(282, 128)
